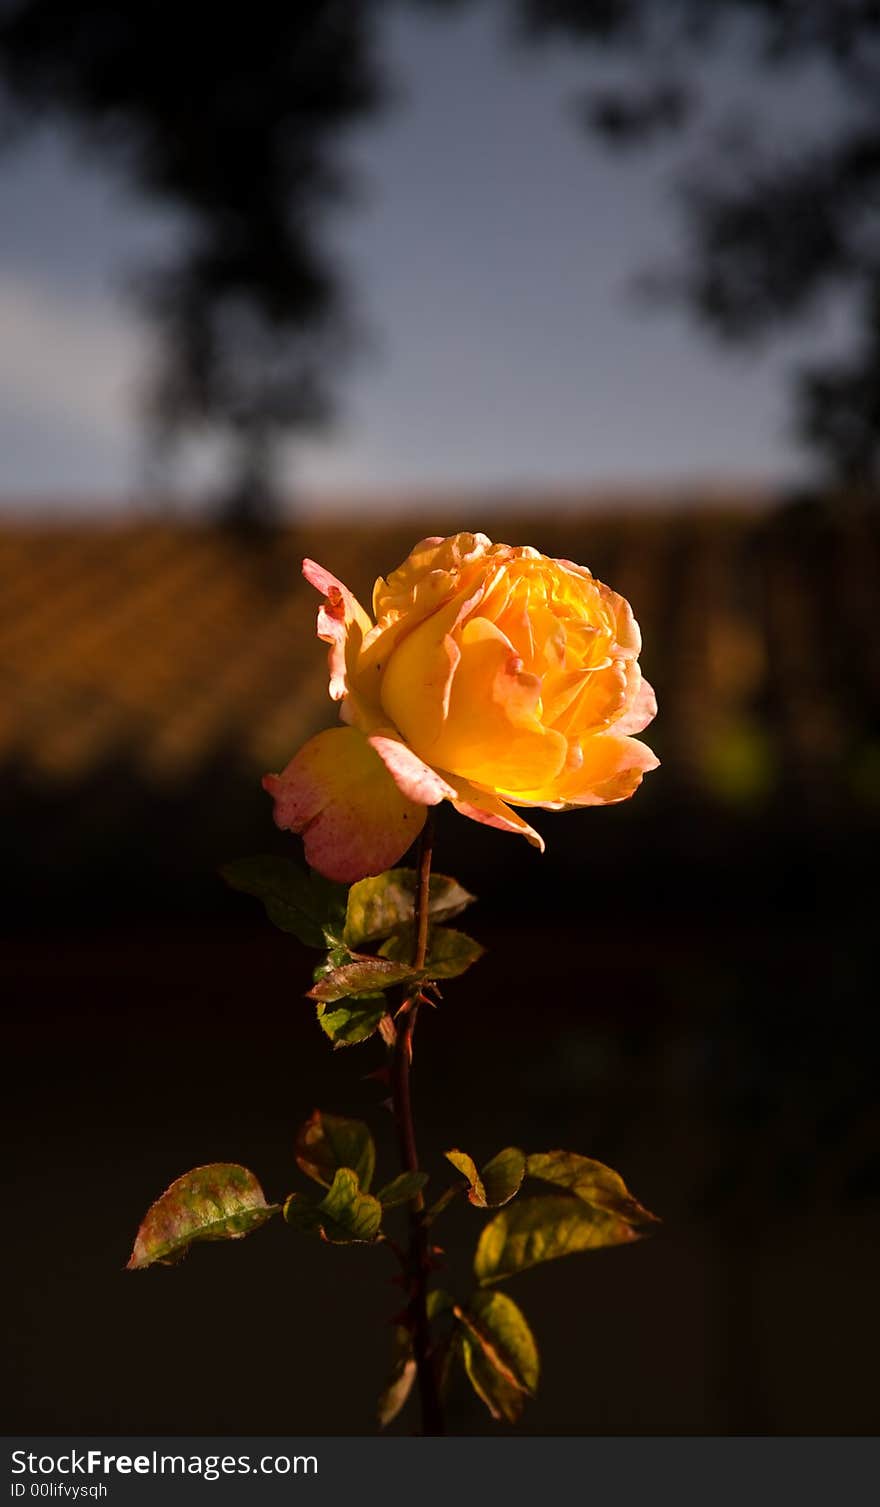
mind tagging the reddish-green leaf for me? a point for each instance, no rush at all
(468, 1168)
(498, 1181)
(509, 1363)
(533, 1230)
(219, 1202)
(592, 1182)
(327, 1142)
(363, 975)
(502, 1398)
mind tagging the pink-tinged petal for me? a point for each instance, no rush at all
(629, 634)
(342, 623)
(641, 710)
(338, 793)
(412, 776)
(430, 572)
(487, 809)
(583, 571)
(611, 771)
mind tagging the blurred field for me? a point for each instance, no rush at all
(683, 986)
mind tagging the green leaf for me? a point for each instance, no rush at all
(438, 1302)
(503, 1175)
(363, 976)
(297, 901)
(400, 1382)
(401, 1189)
(533, 1230)
(378, 906)
(219, 1202)
(468, 1168)
(356, 1213)
(592, 1182)
(446, 897)
(450, 952)
(499, 1327)
(330, 899)
(499, 1180)
(305, 1215)
(345, 1215)
(327, 1142)
(348, 1023)
(332, 960)
(448, 1353)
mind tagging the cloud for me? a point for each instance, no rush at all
(69, 358)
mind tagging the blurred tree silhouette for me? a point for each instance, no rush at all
(233, 117)
(774, 225)
(236, 120)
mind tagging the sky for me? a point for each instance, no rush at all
(491, 251)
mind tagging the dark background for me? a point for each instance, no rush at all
(683, 986)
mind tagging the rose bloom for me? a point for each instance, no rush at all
(492, 677)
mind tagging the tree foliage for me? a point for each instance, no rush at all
(241, 127)
(775, 221)
(234, 120)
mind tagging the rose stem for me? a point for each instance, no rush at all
(419, 1256)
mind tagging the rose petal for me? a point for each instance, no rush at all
(342, 623)
(629, 637)
(435, 565)
(412, 776)
(587, 700)
(611, 770)
(487, 809)
(492, 734)
(641, 710)
(339, 794)
(417, 681)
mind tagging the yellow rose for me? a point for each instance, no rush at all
(492, 676)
